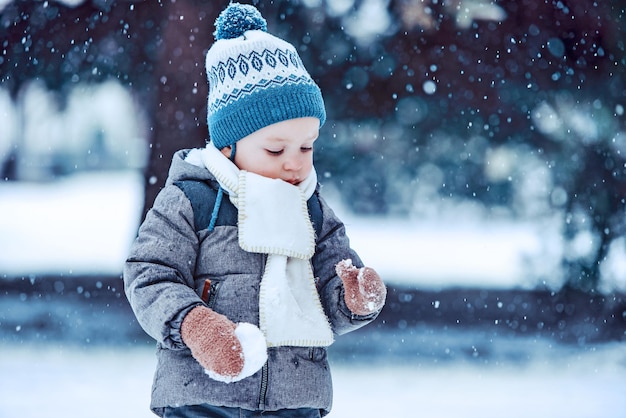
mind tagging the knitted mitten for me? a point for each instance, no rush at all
(228, 352)
(365, 292)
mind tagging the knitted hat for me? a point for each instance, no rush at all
(255, 79)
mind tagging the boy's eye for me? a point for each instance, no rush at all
(306, 149)
(274, 152)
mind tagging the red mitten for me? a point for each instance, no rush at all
(228, 352)
(365, 292)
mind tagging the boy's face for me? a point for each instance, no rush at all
(283, 150)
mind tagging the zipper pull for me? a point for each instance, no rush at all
(206, 290)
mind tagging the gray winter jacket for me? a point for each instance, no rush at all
(164, 277)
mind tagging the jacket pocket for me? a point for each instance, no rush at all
(209, 291)
(234, 295)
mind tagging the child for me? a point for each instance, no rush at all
(241, 271)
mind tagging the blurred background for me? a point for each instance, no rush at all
(475, 149)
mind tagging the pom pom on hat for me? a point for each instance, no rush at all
(236, 19)
(254, 80)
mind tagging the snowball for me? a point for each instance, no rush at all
(254, 353)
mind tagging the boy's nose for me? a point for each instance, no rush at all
(293, 164)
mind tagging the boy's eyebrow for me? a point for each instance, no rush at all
(312, 137)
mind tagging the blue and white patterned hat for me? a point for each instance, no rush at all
(255, 79)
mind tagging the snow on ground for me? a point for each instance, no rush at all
(81, 224)
(85, 224)
(467, 254)
(70, 381)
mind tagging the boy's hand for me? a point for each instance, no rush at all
(365, 292)
(228, 352)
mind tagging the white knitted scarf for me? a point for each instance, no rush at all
(274, 220)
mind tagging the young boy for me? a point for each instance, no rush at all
(241, 271)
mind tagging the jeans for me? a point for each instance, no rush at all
(209, 411)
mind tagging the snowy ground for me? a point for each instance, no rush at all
(81, 224)
(69, 381)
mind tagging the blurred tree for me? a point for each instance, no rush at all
(91, 42)
(180, 112)
(154, 48)
(63, 46)
(494, 75)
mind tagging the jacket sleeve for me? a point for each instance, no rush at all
(158, 274)
(333, 245)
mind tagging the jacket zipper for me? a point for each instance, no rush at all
(264, 370)
(213, 294)
(264, 383)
